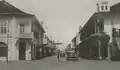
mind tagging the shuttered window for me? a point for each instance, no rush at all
(101, 25)
(3, 27)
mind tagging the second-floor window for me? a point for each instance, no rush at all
(22, 28)
(3, 27)
(115, 32)
(102, 7)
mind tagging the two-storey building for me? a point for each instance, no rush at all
(18, 33)
(39, 36)
(48, 45)
(106, 20)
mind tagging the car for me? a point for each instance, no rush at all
(72, 55)
(62, 54)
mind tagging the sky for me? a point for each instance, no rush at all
(62, 18)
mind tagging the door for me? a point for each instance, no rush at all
(22, 51)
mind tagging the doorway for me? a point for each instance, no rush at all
(22, 51)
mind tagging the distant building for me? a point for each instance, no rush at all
(48, 46)
(78, 40)
(73, 42)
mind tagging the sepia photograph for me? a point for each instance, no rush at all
(59, 34)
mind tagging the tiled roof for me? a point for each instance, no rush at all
(8, 9)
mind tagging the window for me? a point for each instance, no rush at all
(119, 32)
(106, 7)
(101, 25)
(102, 7)
(115, 32)
(22, 28)
(3, 27)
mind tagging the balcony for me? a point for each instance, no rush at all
(26, 35)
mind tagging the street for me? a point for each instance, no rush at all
(51, 63)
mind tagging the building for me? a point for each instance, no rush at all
(106, 20)
(78, 38)
(48, 46)
(73, 42)
(18, 33)
(39, 35)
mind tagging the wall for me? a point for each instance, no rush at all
(9, 38)
(13, 36)
(108, 28)
(28, 51)
(78, 39)
(112, 21)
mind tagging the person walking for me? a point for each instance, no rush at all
(58, 55)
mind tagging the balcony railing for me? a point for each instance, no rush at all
(26, 35)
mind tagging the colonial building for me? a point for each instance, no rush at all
(48, 46)
(39, 36)
(19, 33)
(76, 40)
(106, 20)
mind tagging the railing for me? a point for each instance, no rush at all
(26, 35)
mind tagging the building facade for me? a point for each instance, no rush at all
(17, 33)
(48, 46)
(105, 20)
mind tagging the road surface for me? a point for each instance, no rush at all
(51, 63)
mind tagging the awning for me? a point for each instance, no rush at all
(103, 36)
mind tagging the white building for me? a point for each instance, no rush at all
(17, 33)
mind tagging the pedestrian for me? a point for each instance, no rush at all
(58, 55)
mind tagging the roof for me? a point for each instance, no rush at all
(89, 29)
(116, 5)
(100, 15)
(38, 24)
(42, 28)
(8, 9)
(115, 8)
(74, 39)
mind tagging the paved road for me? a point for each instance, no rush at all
(51, 63)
